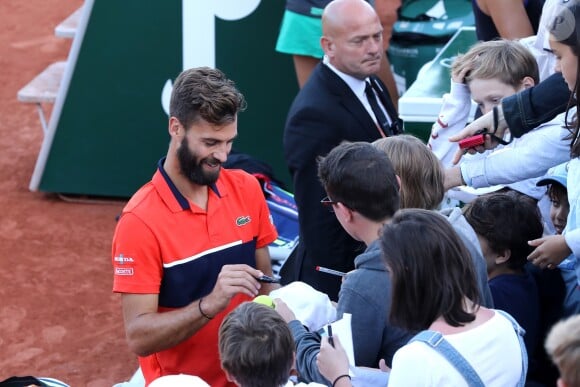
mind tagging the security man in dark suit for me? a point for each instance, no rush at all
(342, 101)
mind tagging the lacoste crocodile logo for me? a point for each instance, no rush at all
(242, 220)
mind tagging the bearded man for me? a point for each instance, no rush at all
(191, 243)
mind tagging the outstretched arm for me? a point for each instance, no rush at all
(307, 345)
(521, 112)
(489, 121)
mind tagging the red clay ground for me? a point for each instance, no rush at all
(58, 316)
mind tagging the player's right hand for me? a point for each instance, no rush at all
(231, 280)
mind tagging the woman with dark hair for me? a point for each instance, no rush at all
(435, 291)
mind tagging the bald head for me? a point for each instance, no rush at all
(352, 37)
(339, 14)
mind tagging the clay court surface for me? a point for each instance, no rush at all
(58, 316)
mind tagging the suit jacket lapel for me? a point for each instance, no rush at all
(350, 101)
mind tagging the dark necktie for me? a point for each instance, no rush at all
(379, 114)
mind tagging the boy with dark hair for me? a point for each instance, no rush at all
(363, 192)
(557, 182)
(504, 223)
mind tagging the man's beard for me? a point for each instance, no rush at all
(192, 168)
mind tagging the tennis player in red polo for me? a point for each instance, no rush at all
(191, 243)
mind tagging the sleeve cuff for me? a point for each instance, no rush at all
(460, 91)
(473, 174)
(572, 239)
(464, 175)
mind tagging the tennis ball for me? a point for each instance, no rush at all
(265, 300)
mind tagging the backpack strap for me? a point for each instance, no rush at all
(520, 332)
(436, 341)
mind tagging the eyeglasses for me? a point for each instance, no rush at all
(328, 203)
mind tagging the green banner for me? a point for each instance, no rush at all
(109, 124)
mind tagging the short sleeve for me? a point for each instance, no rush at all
(404, 372)
(136, 257)
(266, 231)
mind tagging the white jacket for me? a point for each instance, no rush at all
(517, 165)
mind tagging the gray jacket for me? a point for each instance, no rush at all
(366, 294)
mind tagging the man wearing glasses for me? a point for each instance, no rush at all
(363, 192)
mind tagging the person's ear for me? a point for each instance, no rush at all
(398, 182)
(503, 256)
(230, 378)
(345, 212)
(327, 45)
(175, 127)
(528, 82)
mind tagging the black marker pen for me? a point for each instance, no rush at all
(330, 339)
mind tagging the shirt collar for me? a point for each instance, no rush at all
(182, 200)
(356, 85)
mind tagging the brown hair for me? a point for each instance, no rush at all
(256, 346)
(205, 93)
(432, 272)
(419, 169)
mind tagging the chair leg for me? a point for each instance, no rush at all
(42, 117)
